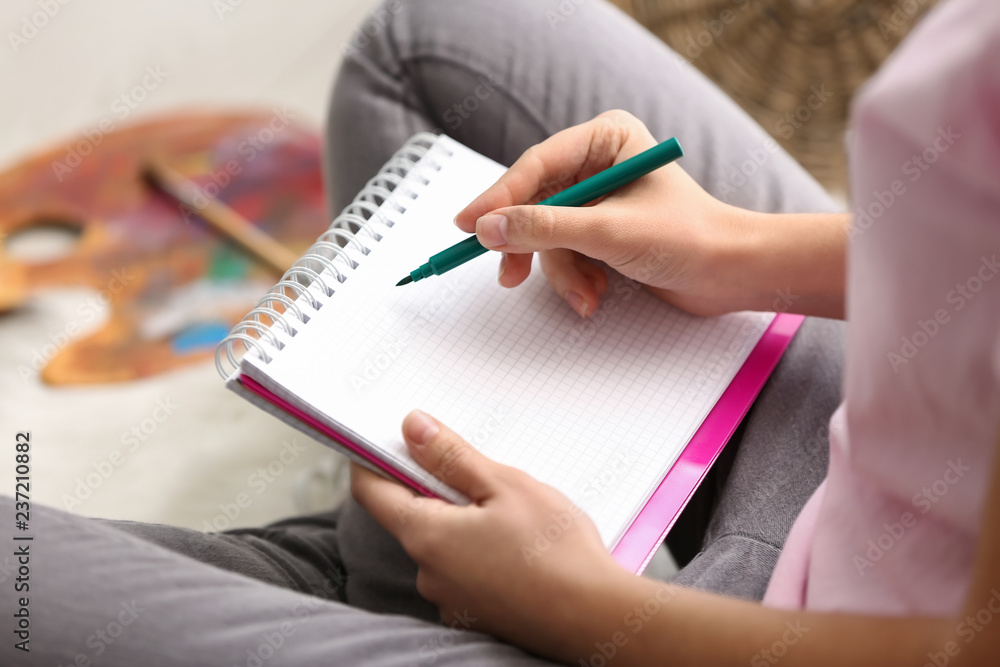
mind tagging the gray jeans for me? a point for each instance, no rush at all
(337, 589)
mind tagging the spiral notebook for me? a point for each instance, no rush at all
(623, 411)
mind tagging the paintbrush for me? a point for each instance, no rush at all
(223, 219)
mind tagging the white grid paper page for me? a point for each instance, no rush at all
(599, 408)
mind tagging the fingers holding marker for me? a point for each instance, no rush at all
(576, 279)
(527, 229)
(514, 269)
(556, 163)
(552, 230)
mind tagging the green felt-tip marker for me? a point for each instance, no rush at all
(580, 194)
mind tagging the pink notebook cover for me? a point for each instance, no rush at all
(644, 536)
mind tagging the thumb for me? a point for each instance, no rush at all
(443, 453)
(526, 229)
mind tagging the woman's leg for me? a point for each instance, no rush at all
(341, 555)
(503, 76)
(102, 596)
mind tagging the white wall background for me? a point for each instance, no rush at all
(66, 75)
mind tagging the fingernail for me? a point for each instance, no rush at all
(577, 303)
(421, 427)
(492, 230)
(503, 266)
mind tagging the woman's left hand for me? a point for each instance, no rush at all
(521, 559)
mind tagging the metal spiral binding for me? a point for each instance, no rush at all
(327, 263)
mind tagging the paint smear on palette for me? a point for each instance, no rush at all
(189, 317)
(199, 337)
(228, 263)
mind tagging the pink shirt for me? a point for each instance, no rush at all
(893, 528)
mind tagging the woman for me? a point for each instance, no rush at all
(891, 559)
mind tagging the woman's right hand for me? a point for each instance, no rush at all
(663, 230)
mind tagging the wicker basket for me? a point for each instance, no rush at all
(794, 65)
